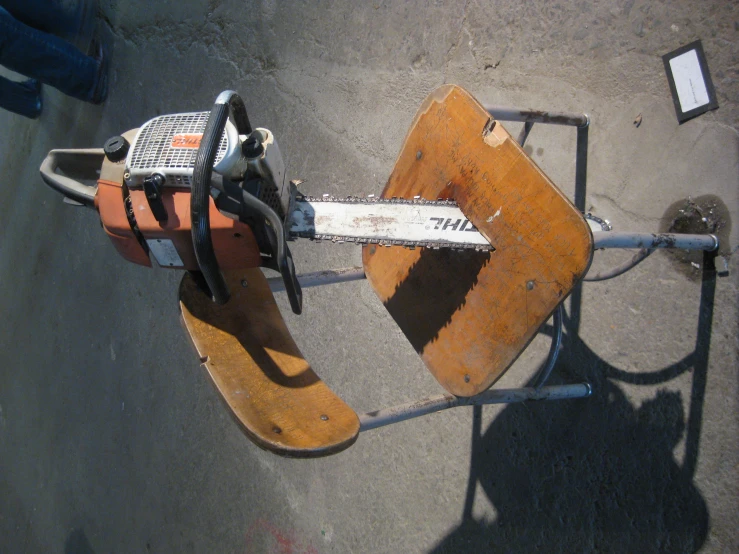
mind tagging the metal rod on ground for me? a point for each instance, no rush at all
(537, 116)
(410, 410)
(609, 239)
(319, 278)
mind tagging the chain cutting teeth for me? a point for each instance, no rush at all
(376, 200)
(411, 245)
(605, 225)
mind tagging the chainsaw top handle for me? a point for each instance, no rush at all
(75, 162)
(281, 261)
(200, 191)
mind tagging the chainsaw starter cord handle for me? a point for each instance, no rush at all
(200, 191)
(74, 161)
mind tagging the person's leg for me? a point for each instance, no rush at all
(72, 20)
(65, 19)
(21, 98)
(51, 60)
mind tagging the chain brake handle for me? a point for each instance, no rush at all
(228, 102)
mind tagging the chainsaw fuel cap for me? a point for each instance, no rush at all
(116, 148)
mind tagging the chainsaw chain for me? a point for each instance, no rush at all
(605, 225)
(375, 200)
(410, 244)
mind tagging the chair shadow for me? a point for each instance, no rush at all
(77, 543)
(230, 319)
(420, 321)
(441, 279)
(595, 474)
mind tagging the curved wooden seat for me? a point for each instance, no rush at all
(282, 405)
(470, 314)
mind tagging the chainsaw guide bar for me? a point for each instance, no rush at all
(385, 221)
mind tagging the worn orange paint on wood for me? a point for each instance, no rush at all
(470, 314)
(257, 368)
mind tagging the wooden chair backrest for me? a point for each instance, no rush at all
(470, 314)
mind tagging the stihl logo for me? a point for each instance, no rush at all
(186, 141)
(452, 225)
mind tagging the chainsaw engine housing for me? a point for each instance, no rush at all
(167, 146)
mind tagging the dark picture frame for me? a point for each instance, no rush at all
(683, 116)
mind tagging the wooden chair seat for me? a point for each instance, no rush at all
(272, 391)
(470, 314)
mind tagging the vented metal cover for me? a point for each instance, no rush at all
(169, 144)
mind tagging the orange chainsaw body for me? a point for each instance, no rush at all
(234, 242)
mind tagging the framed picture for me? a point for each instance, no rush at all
(690, 82)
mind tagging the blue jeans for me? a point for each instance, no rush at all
(63, 18)
(41, 56)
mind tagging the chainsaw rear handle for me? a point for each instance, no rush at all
(227, 101)
(75, 162)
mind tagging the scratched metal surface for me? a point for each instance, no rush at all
(111, 437)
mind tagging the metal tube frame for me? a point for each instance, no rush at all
(610, 239)
(601, 240)
(410, 410)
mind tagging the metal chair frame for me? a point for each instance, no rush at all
(645, 242)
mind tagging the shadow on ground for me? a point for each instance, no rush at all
(602, 476)
(77, 543)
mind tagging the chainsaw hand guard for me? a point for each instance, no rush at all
(200, 192)
(199, 207)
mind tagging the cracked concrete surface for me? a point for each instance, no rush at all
(111, 439)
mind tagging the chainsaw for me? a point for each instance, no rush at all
(470, 247)
(202, 191)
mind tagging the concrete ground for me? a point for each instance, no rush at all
(113, 440)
